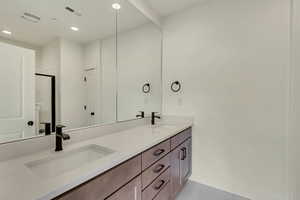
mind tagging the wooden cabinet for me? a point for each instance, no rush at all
(131, 191)
(155, 170)
(185, 161)
(155, 153)
(104, 185)
(165, 193)
(158, 184)
(181, 166)
(158, 173)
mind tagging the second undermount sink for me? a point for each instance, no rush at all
(60, 163)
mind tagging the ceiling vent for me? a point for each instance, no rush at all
(72, 10)
(31, 17)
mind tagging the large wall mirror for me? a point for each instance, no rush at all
(75, 63)
(139, 65)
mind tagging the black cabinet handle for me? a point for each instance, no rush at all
(159, 168)
(159, 185)
(184, 153)
(158, 152)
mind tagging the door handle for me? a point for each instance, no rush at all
(30, 123)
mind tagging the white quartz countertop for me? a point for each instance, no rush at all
(17, 181)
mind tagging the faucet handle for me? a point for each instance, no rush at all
(60, 126)
(142, 114)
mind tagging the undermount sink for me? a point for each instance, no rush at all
(60, 163)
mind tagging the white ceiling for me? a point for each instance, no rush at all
(97, 20)
(168, 7)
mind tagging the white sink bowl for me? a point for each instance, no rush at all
(63, 162)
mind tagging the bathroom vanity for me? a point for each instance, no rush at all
(158, 173)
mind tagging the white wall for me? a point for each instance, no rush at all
(72, 89)
(139, 62)
(93, 72)
(109, 80)
(294, 147)
(49, 64)
(232, 58)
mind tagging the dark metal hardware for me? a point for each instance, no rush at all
(146, 88)
(158, 168)
(153, 116)
(142, 115)
(60, 136)
(159, 152)
(159, 186)
(173, 86)
(184, 153)
(47, 128)
(92, 113)
(30, 123)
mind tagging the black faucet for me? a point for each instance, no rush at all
(60, 136)
(142, 115)
(153, 116)
(47, 128)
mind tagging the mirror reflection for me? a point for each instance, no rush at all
(139, 67)
(75, 63)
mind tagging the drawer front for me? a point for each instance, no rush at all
(180, 138)
(155, 170)
(165, 193)
(131, 191)
(104, 185)
(154, 154)
(152, 190)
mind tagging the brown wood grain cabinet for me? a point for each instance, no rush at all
(165, 193)
(158, 173)
(181, 163)
(131, 191)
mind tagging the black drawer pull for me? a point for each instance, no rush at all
(159, 186)
(158, 168)
(158, 152)
(184, 153)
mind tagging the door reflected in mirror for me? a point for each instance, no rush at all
(74, 63)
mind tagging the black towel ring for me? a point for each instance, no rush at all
(176, 86)
(146, 88)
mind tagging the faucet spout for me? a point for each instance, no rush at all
(153, 117)
(60, 136)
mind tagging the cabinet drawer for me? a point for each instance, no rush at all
(131, 191)
(104, 185)
(152, 190)
(155, 170)
(180, 138)
(165, 193)
(154, 154)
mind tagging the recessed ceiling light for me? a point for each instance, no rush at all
(116, 6)
(74, 28)
(6, 32)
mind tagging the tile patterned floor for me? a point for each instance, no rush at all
(196, 191)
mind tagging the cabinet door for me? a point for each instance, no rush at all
(131, 191)
(185, 161)
(181, 167)
(175, 171)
